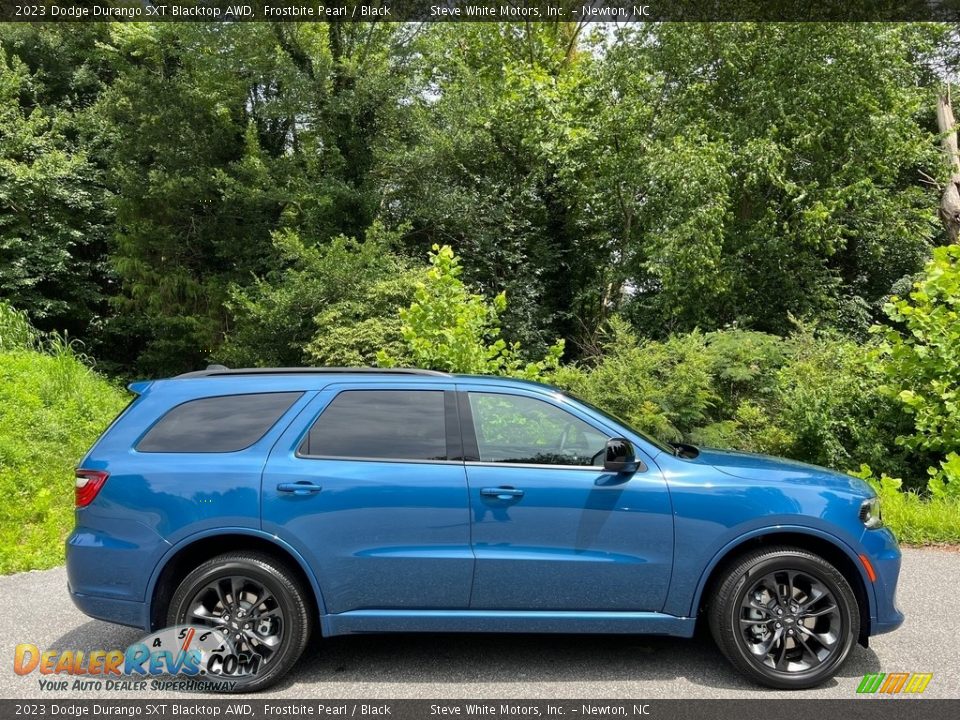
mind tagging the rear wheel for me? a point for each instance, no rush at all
(785, 617)
(256, 602)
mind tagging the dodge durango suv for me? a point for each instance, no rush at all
(275, 504)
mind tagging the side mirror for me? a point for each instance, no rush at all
(621, 457)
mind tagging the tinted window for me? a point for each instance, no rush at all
(516, 429)
(217, 424)
(614, 420)
(390, 424)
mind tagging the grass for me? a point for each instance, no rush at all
(52, 408)
(919, 520)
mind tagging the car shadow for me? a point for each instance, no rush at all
(97, 635)
(438, 659)
(530, 659)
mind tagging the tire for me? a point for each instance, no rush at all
(288, 610)
(792, 650)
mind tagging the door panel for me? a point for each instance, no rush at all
(380, 533)
(563, 537)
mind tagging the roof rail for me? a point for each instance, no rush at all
(223, 371)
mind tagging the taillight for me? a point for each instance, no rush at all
(87, 485)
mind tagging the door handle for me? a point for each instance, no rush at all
(301, 487)
(502, 493)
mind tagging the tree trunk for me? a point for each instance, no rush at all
(950, 200)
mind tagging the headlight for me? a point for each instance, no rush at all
(870, 513)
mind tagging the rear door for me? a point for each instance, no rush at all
(369, 485)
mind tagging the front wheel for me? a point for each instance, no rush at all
(785, 617)
(256, 602)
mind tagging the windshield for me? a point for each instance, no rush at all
(659, 444)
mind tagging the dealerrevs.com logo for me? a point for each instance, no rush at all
(204, 659)
(895, 683)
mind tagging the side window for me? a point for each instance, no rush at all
(385, 424)
(517, 429)
(217, 424)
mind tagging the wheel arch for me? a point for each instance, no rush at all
(187, 554)
(829, 547)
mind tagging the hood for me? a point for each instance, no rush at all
(768, 468)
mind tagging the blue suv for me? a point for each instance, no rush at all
(276, 503)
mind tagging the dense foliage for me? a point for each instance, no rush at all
(52, 408)
(921, 363)
(53, 214)
(683, 176)
(694, 226)
(331, 304)
(447, 327)
(808, 396)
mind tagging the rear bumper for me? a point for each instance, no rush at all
(114, 563)
(108, 572)
(122, 612)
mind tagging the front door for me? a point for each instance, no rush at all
(365, 486)
(551, 529)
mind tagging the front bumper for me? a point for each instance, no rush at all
(884, 554)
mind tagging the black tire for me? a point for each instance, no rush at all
(272, 575)
(743, 626)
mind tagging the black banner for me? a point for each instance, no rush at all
(478, 10)
(867, 708)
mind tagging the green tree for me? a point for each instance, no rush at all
(919, 357)
(195, 199)
(222, 136)
(328, 304)
(684, 175)
(54, 219)
(920, 353)
(493, 174)
(758, 194)
(447, 327)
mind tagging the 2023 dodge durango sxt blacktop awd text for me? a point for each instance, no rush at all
(275, 503)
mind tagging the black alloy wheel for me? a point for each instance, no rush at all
(244, 610)
(257, 602)
(785, 617)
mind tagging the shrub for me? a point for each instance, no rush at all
(350, 332)
(332, 304)
(828, 400)
(449, 328)
(944, 480)
(744, 365)
(662, 388)
(919, 357)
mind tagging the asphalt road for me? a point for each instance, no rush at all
(39, 611)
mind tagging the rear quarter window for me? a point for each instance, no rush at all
(220, 424)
